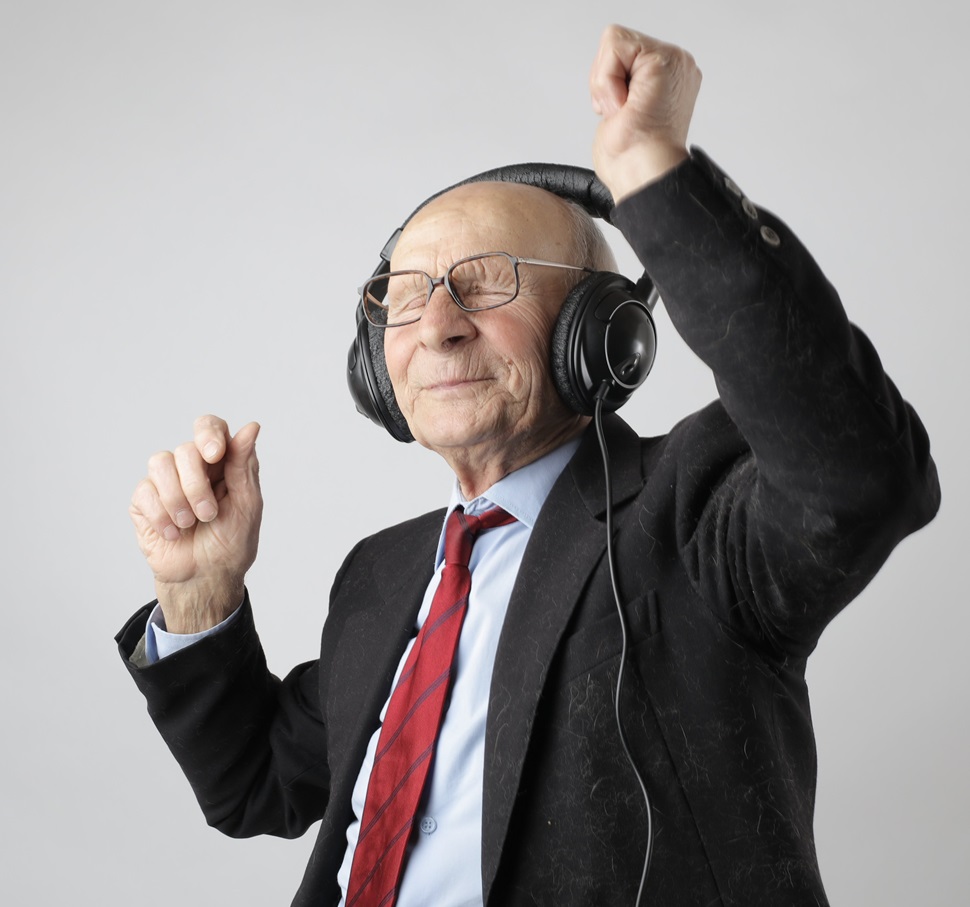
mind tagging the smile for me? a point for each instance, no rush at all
(456, 384)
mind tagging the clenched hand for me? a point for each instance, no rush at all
(644, 90)
(197, 516)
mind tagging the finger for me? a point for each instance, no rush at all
(194, 479)
(163, 474)
(610, 74)
(149, 514)
(211, 436)
(241, 475)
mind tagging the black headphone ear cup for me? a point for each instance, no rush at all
(562, 334)
(376, 342)
(604, 333)
(370, 383)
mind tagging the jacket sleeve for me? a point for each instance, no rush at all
(837, 466)
(253, 747)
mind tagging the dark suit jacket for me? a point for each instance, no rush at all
(739, 535)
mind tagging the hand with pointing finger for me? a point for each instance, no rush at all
(644, 90)
(197, 515)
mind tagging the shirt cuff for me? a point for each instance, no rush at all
(159, 643)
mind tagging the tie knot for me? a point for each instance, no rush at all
(462, 529)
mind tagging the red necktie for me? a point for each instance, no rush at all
(408, 735)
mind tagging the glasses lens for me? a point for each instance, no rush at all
(396, 298)
(484, 281)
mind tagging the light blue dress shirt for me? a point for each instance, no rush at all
(444, 865)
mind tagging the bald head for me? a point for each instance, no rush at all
(575, 234)
(590, 246)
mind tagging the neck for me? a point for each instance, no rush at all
(477, 470)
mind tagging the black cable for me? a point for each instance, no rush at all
(598, 420)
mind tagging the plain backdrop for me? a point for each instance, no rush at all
(190, 193)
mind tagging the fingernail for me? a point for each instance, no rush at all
(184, 519)
(170, 533)
(206, 511)
(210, 450)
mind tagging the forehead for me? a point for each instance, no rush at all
(486, 217)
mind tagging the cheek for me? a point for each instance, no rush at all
(529, 349)
(398, 354)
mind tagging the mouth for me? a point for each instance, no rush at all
(446, 385)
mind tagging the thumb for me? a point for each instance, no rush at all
(241, 464)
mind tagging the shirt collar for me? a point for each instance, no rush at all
(521, 493)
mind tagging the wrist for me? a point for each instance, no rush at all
(199, 604)
(630, 171)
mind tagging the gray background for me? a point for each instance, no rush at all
(190, 194)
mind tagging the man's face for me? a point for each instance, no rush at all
(476, 387)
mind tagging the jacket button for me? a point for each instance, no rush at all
(749, 208)
(770, 236)
(732, 186)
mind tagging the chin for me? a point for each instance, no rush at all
(457, 427)
(449, 437)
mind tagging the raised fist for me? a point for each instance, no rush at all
(644, 90)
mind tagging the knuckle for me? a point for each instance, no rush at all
(209, 422)
(191, 478)
(684, 60)
(142, 493)
(185, 451)
(196, 490)
(191, 470)
(158, 461)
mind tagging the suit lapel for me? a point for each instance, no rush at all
(566, 544)
(374, 637)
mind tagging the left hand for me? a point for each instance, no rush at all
(644, 90)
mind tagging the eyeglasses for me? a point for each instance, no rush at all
(475, 283)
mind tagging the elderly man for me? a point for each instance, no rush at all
(456, 735)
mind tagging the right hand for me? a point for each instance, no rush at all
(197, 516)
(644, 90)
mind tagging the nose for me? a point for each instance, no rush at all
(443, 324)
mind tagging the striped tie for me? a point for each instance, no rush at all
(407, 740)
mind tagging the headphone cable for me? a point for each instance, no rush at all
(604, 389)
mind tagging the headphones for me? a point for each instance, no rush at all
(604, 334)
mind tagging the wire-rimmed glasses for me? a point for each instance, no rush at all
(476, 283)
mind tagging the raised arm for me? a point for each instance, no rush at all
(780, 532)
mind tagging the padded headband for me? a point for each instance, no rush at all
(579, 185)
(576, 184)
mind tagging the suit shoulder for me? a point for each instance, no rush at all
(416, 528)
(397, 544)
(705, 434)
